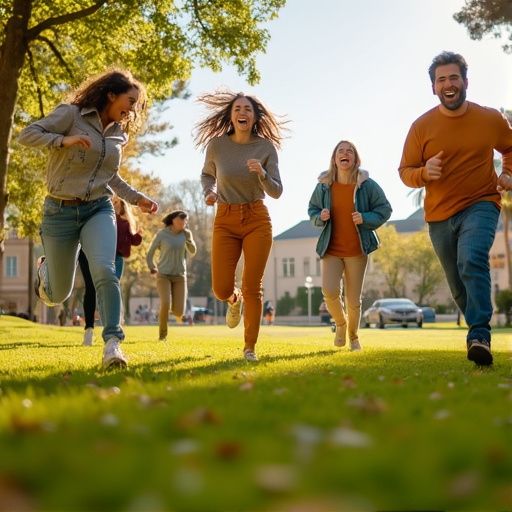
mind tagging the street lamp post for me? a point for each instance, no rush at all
(309, 285)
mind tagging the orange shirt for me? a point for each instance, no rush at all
(344, 241)
(467, 142)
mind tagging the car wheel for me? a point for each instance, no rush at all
(381, 323)
(405, 326)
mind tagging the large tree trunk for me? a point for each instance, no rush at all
(12, 55)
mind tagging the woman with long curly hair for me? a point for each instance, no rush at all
(85, 139)
(241, 167)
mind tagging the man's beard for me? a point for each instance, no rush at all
(454, 106)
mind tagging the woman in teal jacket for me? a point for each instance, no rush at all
(349, 206)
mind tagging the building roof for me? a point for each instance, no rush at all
(304, 229)
(412, 224)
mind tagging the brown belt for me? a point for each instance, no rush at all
(68, 202)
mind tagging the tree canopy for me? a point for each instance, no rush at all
(483, 17)
(46, 48)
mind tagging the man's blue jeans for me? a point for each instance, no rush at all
(93, 226)
(462, 244)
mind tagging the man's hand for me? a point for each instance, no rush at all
(433, 168)
(504, 183)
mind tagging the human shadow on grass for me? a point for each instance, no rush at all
(441, 361)
(145, 372)
(35, 344)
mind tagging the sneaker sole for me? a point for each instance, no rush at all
(479, 355)
(115, 364)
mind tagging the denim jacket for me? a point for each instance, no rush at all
(369, 200)
(78, 172)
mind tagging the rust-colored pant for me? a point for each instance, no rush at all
(242, 228)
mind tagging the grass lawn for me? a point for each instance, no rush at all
(406, 424)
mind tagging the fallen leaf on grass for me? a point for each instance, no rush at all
(349, 382)
(104, 394)
(147, 401)
(201, 416)
(307, 438)
(184, 447)
(188, 481)
(24, 425)
(369, 405)
(348, 437)
(276, 479)
(442, 414)
(507, 384)
(13, 496)
(110, 420)
(246, 386)
(228, 450)
(465, 485)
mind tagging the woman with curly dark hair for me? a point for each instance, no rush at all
(85, 139)
(241, 166)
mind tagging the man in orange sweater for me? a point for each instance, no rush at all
(449, 150)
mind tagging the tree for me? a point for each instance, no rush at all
(45, 48)
(391, 260)
(482, 17)
(424, 264)
(418, 265)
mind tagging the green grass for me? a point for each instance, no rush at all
(406, 424)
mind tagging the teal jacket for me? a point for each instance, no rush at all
(369, 200)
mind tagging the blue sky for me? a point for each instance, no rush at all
(341, 69)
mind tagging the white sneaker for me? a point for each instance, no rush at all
(234, 313)
(250, 356)
(41, 280)
(88, 337)
(113, 357)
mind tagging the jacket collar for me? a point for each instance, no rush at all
(362, 175)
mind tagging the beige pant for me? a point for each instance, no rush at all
(172, 291)
(352, 271)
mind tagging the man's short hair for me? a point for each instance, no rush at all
(448, 58)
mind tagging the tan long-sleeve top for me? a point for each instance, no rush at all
(468, 143)
(225, 171)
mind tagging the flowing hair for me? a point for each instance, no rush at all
(331, 176)
(220, 103)
(125, 212)
(93, 93)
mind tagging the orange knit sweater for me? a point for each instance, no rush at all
(467, 142)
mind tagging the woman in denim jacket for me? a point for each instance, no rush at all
(349, 206)
(85, 140)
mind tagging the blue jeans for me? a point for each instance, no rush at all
(462, 244)
(93, 226)
(119, 266)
